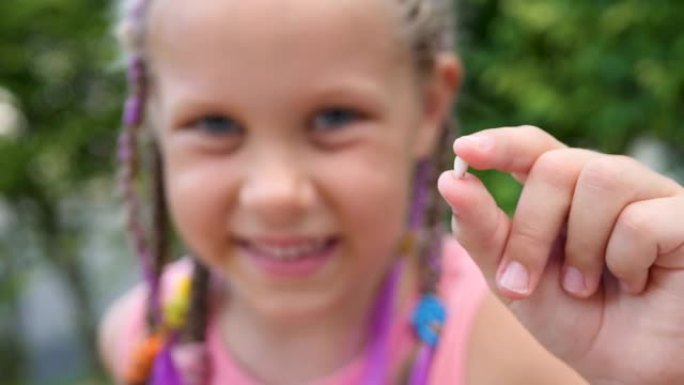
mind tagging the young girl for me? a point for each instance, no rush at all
(296, 145)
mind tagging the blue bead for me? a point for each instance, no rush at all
(428, 319)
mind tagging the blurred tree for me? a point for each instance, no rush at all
(55, 58)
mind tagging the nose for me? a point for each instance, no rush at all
(278, 192)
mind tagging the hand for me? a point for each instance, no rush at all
(592, 263)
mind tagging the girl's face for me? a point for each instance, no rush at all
(289, 131)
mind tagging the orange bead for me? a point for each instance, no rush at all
(143, 359)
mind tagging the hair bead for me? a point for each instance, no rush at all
(428, 319)
(133, 111)
(165, 371)
(136, 70)
(143, 360)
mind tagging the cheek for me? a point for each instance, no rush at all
(199, 200)
(373, 197)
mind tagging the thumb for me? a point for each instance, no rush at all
(479, 225)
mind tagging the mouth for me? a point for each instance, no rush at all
(289, 256)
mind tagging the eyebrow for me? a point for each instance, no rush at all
(340, 90)
(361, 91)
(182, 108)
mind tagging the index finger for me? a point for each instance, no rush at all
(509, 149)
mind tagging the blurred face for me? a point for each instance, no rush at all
(289, 130)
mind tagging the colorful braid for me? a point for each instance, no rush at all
(130, 167)
(430, 315)
(428, 211)
(155, 360)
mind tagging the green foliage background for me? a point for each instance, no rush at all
(596, 74)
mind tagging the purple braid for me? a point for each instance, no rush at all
(130, 165)
(425, 221)
(430, 250)
(182, 361)
(421, 195)
(432, 25)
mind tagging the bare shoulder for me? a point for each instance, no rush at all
(502, 351)
(116, 325)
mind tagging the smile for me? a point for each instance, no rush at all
(289, 257)
(290, 252)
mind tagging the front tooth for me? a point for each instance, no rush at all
(286, 253)
(291, 252)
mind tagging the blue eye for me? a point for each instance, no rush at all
(335, 118)
(219, 125)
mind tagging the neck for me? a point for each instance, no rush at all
(299, 352)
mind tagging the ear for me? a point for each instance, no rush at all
(439, 93)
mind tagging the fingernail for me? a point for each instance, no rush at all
(481, 142)
(573, 281)
(515, 278)
(460, 168)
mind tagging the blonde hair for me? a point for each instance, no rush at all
(428, 28)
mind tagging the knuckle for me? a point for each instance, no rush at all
(528, 233)
(552, 166)
(634, 222)
(528, 244)
(531, 129)
(581, 257)
(604, 173)
(619, 266)
(498, 228)
(540, 135)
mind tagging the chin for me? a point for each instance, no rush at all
(296, 306)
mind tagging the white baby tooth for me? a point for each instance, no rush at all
(460, 168)
(290, 252)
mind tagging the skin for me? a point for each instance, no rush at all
(583, 210)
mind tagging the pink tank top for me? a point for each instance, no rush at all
(462, 288)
